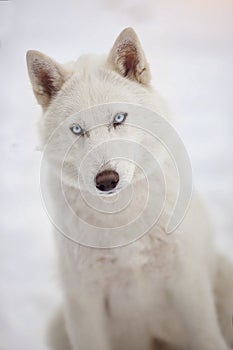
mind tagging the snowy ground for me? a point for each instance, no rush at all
(189, 46)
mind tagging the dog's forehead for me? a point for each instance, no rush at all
(100, 86)
(92, 84)
(98, 114)
(82, 94)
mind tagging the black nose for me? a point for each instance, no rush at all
(106, 180)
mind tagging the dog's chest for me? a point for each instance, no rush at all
(130, 283)
(139, 263)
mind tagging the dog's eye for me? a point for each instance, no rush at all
(119, 118)
(77, 129)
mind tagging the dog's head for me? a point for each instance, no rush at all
(67, 94)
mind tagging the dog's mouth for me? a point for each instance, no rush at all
(109, 193)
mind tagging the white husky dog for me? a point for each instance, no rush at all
(160, 291)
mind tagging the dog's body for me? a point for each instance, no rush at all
(157, 292)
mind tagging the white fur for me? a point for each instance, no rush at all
(155, 293)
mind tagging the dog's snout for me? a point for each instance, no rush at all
(106, 180)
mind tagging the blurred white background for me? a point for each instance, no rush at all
(189, 45)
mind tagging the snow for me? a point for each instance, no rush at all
(189, 47)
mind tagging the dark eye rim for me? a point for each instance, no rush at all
(115, 124)
(82, 130)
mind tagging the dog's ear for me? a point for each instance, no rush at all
(128, 59)
(46, 75)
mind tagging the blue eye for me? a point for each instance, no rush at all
(77, 129)
(119, 118)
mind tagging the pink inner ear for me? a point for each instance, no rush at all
(46, 79)
(47, 83)
(128, 54)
